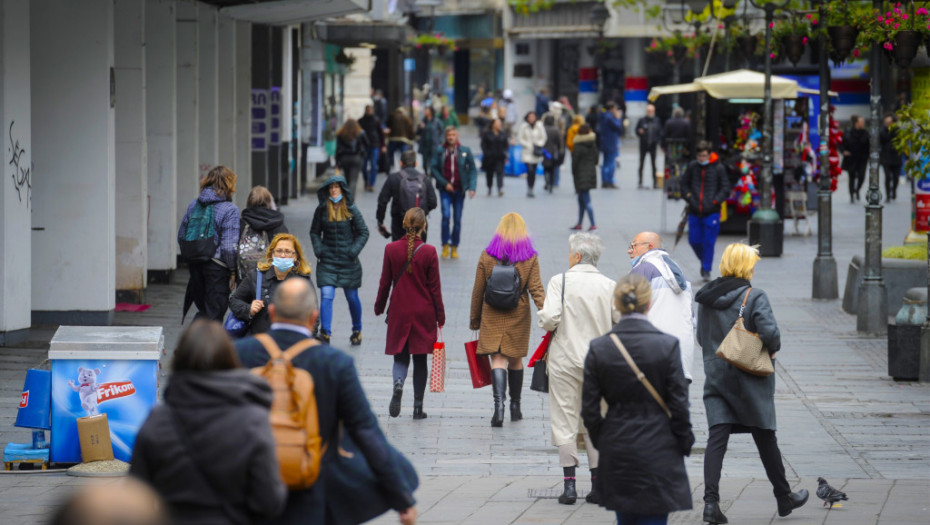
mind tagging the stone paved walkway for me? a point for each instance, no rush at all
(839, 415)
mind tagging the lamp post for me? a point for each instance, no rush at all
(677, 15)
(872, 315)
(766, 227)
(824, 276)
(923, 372)
(598, 17)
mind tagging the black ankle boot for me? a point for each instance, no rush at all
(792, 501)
(418, 412)
(569, 494)
(713, 514)
(499, 386)
(515, 379)
(394, 407)
(594, 496)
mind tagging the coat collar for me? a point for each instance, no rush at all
(583, 268)
(634, 323)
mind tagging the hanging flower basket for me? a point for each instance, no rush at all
(747, 45)
(906, 44)
(793, 47)
(678, 52)
(842, 42)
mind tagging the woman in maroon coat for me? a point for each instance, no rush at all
(411, 267)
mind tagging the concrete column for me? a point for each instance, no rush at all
(260, 93)
(226, 100)
(131, 163)
(636, 87)
(207, 108)
(161, 136)
(243, 102)
(188, 134)
(73, 99)
(15, 173)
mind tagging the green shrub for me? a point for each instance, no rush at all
(911, 251)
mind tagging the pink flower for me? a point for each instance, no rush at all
(904, 16)
(654, 44)
(922, 11)
(804, 40)
(670, 53)
(881, 18)
(807, 16)
(888, 21)
(771, 25)
(897, 11)
(856, 53)
(772, 55)
(438, 35)
(814, 21)
(419, 46)
(719, 26)
(897, 26)
(888, 46)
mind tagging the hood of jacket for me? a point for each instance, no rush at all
(209, 195)
(588, 137)
(263, 219)
(206, 390)
(323, 192)
(722, 292)
(668, 268)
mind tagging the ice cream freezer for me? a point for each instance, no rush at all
(110, 370)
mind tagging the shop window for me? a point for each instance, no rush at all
(523, 49)
(523, 70)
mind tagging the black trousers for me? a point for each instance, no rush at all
(530, 175)
(856, 178)
(892, 174)
(766, 444)
(420, 373)
(651, 150)
(212, 297)
(495, 169)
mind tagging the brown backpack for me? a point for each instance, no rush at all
(294, 421)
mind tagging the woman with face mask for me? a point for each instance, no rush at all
(284, 259)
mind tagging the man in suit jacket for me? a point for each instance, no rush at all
(455, 172)
(339, 398)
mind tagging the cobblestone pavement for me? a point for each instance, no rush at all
(839, 415)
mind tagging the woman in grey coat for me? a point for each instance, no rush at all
(735, 401)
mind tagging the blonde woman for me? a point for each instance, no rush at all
(737, 402)
(283, 259)
(210, 279)
(505, 334)
(338, 233)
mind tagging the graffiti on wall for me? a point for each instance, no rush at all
(22, 172)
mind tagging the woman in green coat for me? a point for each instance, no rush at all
(338, 233)
(448, 118)
(584, 172)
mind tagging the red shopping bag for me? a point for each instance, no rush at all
(478, 365)
(437, 375)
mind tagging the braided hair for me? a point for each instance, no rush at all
(632, 294)
(414, 223)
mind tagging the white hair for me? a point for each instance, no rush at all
(588, 245)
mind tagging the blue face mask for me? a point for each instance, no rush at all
(282, 264)
(703, 162)
(336, 199)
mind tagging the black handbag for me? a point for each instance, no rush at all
(540, 381)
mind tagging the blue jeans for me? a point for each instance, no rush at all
(395, 146)
(370, 166)
(702, 235)
(452, 205)
(584, 204)
(328, 293)
(628, 518)
(609, 166)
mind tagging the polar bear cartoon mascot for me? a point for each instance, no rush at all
(86, 387)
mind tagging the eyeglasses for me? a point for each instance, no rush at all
(633, 245)
(284, 253)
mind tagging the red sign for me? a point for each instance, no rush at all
(24, 401)
(108, 391)
(921, 206)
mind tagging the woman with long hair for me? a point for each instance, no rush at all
(338, 233)
(505, 333)
(531, 136)
(283, 259)
(351, 149)
(642, 441)
(735, 401)
(260, 222)
(410, 276)
(184, 450)
(211, 280)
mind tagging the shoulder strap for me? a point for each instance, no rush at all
(274, 351)
(258, 285)
(640, 375)
(745, 298)
(406, 264)
(297, 348)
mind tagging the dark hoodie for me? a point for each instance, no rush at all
(262, 219)
(338, 244)
(224, 415)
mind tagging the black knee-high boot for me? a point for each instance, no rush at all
(499, 386)
(515, 378)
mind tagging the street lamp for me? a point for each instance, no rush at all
(765, 227)
(824, 284)
(598, 17)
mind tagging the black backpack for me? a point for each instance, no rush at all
(198, 243)
(412, 189)
(503, 289)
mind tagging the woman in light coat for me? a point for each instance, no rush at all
(578, 313)
(531, 134)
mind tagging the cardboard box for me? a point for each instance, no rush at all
(94, 434)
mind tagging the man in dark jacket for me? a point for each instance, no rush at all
(394, 191)
(455, 173)
(705, 187)
(677, 136)
(891, 159)
(429, 135)
(339, 399)
(649, 131)
(371, 125)
(542, 102)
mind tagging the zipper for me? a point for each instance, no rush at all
(701, 197)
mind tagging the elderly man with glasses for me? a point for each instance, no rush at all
(671, 293)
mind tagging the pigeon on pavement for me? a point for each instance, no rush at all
(829, 494)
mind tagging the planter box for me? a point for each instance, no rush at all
(903, 351)
(899, 276)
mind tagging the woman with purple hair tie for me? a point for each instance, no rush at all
(505, 332)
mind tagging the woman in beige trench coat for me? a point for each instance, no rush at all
(505, 334)
(581, 311)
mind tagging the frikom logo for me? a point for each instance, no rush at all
(109, 391)
(24, 400)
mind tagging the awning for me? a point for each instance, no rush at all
(283, 12)
(352, 33)
(741, 83)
